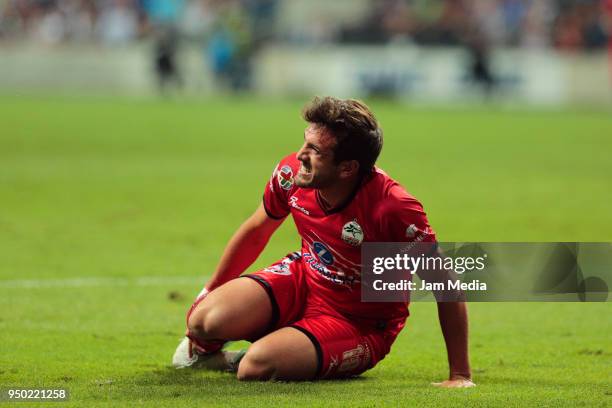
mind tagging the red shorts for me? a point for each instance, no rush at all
(345, 346)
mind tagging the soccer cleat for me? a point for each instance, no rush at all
(189, 353)
(233, 359)
(227, 361)
(184, 356)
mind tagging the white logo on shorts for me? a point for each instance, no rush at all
(281, 268)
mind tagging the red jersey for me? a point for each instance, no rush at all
(380, 210)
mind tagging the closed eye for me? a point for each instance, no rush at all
(313, 147)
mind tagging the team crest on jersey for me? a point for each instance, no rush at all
(352, 233)
(285, 177)
(323, 254)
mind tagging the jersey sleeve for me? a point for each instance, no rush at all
(402, 219)
(278, 189)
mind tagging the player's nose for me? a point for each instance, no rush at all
(300, 155)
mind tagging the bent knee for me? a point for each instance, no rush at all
(206, 323)
(256, 365)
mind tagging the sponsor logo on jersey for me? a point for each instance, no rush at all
(285, 177)
(323, 254)
(352, 233)
(339, 277)
(293, 202)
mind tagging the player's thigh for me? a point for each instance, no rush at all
(285, 354)
(239, 309)
(347, 348)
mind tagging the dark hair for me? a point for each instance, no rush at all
(354, 126)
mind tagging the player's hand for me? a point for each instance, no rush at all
(456, 382)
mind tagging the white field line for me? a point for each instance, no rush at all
(93, 282)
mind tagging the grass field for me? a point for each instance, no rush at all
(112, 212)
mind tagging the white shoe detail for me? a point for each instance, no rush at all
(182, 358)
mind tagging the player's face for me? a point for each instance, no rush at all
(318, 169)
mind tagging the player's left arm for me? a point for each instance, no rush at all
(453, 318)
(404, 219)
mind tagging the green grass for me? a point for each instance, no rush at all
(115, 192)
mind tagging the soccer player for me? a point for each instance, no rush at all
(304, 314)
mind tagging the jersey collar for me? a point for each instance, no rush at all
(346, 202)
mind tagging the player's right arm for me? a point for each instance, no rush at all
(244, 247)
(253, 235)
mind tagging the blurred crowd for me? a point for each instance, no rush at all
(118, 22)
(565, 24)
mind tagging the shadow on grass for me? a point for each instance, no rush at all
(173, 383)
(172, 376)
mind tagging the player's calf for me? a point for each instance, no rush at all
(286, 354)
(253, 369)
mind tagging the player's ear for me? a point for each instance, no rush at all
(349, 168)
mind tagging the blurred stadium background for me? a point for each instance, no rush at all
(135, 136)
(524, 51)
